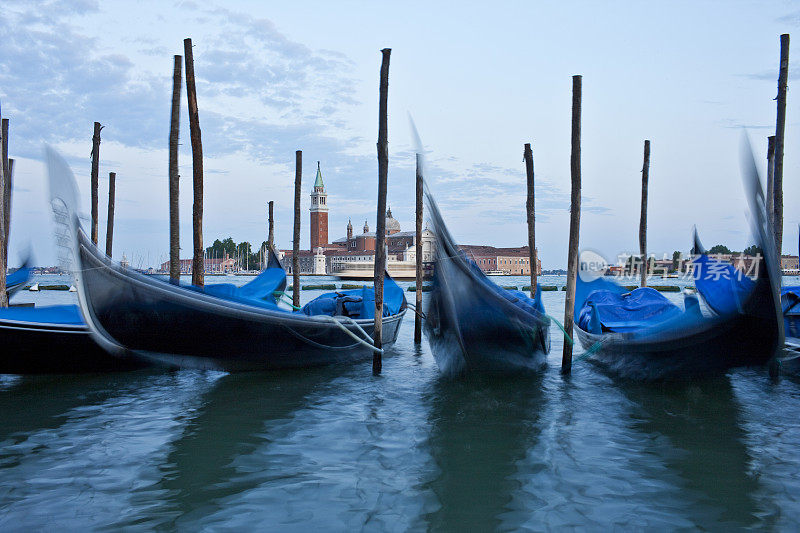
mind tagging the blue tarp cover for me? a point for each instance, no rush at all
(53, 314)
(18, 277)
(259, 291)
(723, 287)
(518, 298)
(358, 303)
(790, 304)
(605, 306)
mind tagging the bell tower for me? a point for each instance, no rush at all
(349, 230)
(319, 213)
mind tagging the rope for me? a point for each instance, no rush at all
(420, 314)
(353, 335)
(289, 301)
(592, 349)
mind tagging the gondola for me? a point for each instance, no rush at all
(472, 324)
(17, 279)
(642, 335)
(186, 327)
(55, 339)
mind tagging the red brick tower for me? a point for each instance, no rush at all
(319, 213)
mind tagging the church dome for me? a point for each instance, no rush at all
(392, 225)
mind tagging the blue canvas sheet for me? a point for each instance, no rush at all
(18, 277)
(53, 314)
(259, 291)
(358, 303)
(723, 287)
(602, 306)
(790, 304)
(518, 298)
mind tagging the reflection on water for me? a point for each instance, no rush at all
(695, 430)
(340, 449)
(479, 430)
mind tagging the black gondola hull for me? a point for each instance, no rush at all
(37, 348)
(703, 352)
(175, 326)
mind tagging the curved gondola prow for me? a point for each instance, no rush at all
(763, 232)
(65, 203)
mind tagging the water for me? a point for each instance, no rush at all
(340, 449)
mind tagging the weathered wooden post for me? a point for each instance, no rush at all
(380, 227)
(198, 270)
(4, 184)
(298, 177)
(771, 179)
(95, 177)
(112, 180)
(271, 235)
(780, 128)
(9, 185)
(174, 176)
(574, 222)
(643, 219)
(418, 294)
(530, 206)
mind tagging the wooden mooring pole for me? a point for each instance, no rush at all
(298, 177)
(5, 183)
(530, 206)
(380, 229)
(418, 294)
(95, 178)
(271, 234)
(198, 270)
(771, 179)
(9, 185)
(9, 174)
(643, 218)
(574, 222)
(112, 181)
(174, 176)
(780, 127)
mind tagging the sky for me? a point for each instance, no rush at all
(480, 79)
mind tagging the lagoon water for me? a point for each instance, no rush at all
(340, 449)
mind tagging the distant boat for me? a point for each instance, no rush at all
(72, 288)
(496, 273)
(34, 287)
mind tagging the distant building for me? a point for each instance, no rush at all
(218, 265)
(511, 261)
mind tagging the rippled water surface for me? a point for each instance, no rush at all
(340, 449)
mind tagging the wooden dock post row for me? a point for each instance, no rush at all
(418, 295)
(574, 222)
(112, 180)
(380, 229)
(298, 178)
(530, 206)
(780, 127)
(95, 178)
(174, 176)
(198, 267)
(643, 218)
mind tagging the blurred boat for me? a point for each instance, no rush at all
(472, 324)
(641, 335)
(213, 328)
